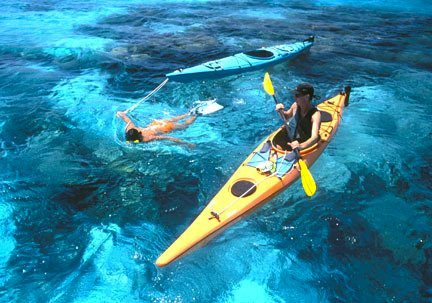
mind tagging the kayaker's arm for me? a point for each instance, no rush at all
(287, 113)
(316, 121)
(190, 145)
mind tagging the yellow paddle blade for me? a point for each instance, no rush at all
(308, 181)
(268, 85)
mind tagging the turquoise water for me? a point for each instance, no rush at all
(84, 216)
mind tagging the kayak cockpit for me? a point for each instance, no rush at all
(280, 139)
(260, 54)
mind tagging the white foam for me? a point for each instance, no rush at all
(7, 240)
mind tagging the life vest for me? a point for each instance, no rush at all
(300, 128)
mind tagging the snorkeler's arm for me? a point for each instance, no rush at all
(191, 145)
(126, 119)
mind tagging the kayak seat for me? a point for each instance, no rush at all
(260, 54)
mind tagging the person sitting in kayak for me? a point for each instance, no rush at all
(306, 118)
(156, 129)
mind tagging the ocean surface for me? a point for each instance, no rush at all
(83, 216)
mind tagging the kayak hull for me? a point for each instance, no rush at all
(242, 62)
(235, 200)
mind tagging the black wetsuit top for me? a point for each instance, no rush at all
(303, 129)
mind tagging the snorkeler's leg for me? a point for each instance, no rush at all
(186, 123)
(177, 118)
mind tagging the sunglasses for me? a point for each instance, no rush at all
(299, 95)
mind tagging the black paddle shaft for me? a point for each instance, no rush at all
(282, 115)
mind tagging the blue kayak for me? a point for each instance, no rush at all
(242, 62)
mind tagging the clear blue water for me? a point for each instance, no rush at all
(83, 216)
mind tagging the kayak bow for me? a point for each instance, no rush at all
(265, 173)
(242, 62)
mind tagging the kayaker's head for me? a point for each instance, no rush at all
(133, 136)
(303, 92)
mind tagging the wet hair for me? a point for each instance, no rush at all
(133, 134)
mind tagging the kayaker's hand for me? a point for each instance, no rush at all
(121, 114)
(279, 107)
(294, 145)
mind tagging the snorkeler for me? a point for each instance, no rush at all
(156, 129)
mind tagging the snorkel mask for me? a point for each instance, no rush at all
(134, 141)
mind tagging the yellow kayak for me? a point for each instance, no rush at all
(265, 173)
